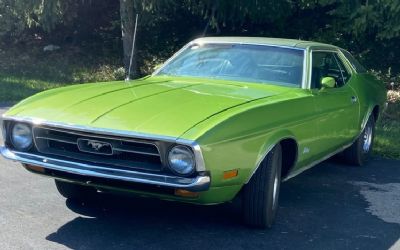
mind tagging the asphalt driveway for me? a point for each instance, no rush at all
(328, 207)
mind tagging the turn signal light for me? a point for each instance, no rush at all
(35, 168)
(230, 174)
(185, 193)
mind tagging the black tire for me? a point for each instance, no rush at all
(75, 191)
(260, 205)
(360, 151)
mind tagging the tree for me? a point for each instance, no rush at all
(127, 28)
(369, 28)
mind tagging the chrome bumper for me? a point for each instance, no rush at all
(199, 183)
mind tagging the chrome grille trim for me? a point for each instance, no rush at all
(115, 148)
(54, 139)
(135, 151)
(122, 153)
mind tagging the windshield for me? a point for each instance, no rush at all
(239, 62)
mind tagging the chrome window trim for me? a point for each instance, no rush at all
(346, 62)
(337, 58)
(200, 165)
(302, 85)
(307, 70)
(304, 78)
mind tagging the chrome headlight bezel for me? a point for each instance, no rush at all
(3, 133)
(24, 140)
(181, 154)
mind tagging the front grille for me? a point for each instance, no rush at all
(108, 151)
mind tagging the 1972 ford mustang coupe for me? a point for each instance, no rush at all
(223, 117)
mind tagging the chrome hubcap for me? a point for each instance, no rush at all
(275, 190)
(367, 138)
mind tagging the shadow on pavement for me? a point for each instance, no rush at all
(320, 209)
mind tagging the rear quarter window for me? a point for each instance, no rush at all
(356, 65)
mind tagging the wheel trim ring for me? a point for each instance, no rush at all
(367, 138)
(275, 190)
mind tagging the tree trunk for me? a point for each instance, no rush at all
(127, 28)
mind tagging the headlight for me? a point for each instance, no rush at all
(181, 160)
(21, 136)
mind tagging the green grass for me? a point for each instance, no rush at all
(387, 139)
(26, 70)
(14, 89)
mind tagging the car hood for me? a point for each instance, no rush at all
(156, 105)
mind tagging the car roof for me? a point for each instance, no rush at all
(266, 41)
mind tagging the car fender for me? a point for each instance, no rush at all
(366, 117)
(276, 137)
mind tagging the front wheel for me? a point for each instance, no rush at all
(261, 194)
(359, 152)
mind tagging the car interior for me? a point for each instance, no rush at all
(327, 64)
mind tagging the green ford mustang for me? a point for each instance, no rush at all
(225, 117)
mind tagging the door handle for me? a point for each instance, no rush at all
(353, 99)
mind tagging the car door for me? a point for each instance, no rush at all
(337, 109)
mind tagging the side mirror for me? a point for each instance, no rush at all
(328, 82)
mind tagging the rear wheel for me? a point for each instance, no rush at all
(75, 191)
(261, 194)
(359, 152)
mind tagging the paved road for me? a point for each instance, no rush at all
(328, 207)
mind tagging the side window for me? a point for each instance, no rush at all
(325, 64)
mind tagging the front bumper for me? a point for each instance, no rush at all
(196, 184)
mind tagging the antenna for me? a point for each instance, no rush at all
(133, 49)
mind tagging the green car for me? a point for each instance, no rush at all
(224, 117)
